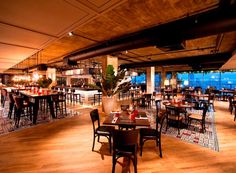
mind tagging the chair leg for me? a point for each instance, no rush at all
(135, 164)
(65, 107)
(178, 127)
(93, 142)
(141, 146)
(113, 164)
(158, 141)
(110, 142)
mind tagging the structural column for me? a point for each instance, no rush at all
(110, 60)
(51, 73)
(163, 77)
(150, 79)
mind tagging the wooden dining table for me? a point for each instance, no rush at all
(37, 96)
(125, 121)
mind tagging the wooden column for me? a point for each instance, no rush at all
(150, 79)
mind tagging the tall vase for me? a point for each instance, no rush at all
(109, 104)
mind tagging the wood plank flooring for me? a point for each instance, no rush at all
(65, 146)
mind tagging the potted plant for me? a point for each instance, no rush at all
(110, 84)
(44, 82)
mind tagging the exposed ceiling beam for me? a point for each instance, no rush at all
(216, 21)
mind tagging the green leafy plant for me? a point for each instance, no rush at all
(44, 82)
(110, 83)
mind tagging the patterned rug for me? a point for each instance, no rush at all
(192, 133)
(8, 125)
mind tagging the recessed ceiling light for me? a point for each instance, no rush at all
(70, 33)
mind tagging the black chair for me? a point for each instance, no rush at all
(199, 118)
(152, 134)
(125, 144)
(23, 107)
(99, 130)
(159, 111)
(3, 97)
(11, 104)
(231, 105)
(148, 100)
(173, 115)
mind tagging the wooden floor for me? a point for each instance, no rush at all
(65, 146)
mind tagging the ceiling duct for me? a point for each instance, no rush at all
(219, 20)
(214, 61)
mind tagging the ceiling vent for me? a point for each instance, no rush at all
(174, 46)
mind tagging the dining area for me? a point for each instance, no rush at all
(126, 86)
(126, 130)
(31, 105)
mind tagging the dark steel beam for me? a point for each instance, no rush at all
(193, 61)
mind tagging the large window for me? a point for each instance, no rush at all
(140, 79)
(217, 80)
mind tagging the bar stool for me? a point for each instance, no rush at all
(60, 102)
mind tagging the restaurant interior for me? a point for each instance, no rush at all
(117, 86)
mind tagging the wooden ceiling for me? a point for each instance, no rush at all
(35, 32)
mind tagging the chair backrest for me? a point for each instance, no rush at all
(158, 106)
(171, 110)
(18, 101)
(148, 97)
(10, 97)
(124, 107)
(154, 94)
(55, 97)
(95, 118)
(231, 98)
(159, 123)
(4, 92)
(123, 139)
(211, 97)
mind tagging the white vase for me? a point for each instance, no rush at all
(109, 104)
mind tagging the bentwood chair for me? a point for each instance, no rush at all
(152, 134)
(125, 144)
(99, 130)
(199, 118)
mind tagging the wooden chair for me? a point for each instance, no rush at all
(125, 144)
(199, 118)
(99, 130)
(152, 134)
(173, 115)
